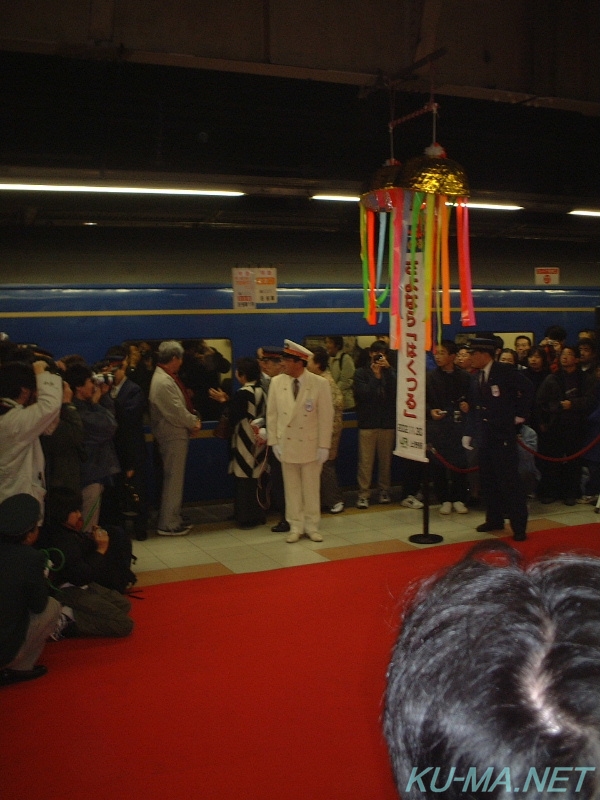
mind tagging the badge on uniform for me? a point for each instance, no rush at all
(495, 390)
(309, 405)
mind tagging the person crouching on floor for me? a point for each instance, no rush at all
(28, 616)
(90, 571)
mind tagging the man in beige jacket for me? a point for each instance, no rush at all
(173, 421)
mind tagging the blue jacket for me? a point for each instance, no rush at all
(99, 426)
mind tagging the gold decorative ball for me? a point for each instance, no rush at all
(435, 176)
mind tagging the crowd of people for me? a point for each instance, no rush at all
(73, 474)
(73, 439)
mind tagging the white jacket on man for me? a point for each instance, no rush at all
(22, 462)
(300, 427)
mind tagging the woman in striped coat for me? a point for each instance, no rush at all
(247, 453)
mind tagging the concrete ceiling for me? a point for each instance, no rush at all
(285, 100)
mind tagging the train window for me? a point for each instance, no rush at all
(508, 337)
(356, 346)
(207, 363)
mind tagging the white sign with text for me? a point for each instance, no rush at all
(410, 401)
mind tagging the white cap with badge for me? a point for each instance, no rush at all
(295, 350)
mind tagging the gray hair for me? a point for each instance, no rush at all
(169, 350)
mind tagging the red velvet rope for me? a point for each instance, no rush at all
(561, 460)
(582, 452)
(448, 465)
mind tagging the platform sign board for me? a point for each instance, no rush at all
(410, 400)
(547, 276)
(242, 280)
(266, 284)
(253, 285)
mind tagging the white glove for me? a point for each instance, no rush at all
(261, 436)
(466, 442)
(277, 452)
(323, 454)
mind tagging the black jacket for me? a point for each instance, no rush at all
(507, 394)
(375, 398)
(23, 589)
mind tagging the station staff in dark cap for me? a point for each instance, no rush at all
(270, 358)
(28, 616)
(500, 399)
(299, 428)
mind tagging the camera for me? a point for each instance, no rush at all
(27, 354)
(379, 357)
(101, 378)
(456, 414)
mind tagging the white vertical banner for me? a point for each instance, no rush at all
(412, 359)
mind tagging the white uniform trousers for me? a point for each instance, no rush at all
(302, 487)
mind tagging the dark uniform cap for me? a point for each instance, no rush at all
(19, 514)
(483, 345)
(270, 351)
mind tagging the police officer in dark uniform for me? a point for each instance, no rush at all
(500, 399)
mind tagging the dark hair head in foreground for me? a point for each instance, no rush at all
(494, 683)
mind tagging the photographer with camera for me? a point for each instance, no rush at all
(95, 407)
(375, 397)
(30, 401)
(131, 496)
(553, 342)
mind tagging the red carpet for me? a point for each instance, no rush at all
(264, 686)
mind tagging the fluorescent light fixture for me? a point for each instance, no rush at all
(490, 206)
(344, 198)
(583, 213)
(51, 187)
(495, 206)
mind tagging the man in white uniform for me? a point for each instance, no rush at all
(299, 426)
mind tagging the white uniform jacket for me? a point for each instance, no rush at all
(301, 426)
(169, 416)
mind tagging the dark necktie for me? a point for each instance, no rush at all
(296, 387)
(482, 380)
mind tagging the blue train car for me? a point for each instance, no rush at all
(89, 319)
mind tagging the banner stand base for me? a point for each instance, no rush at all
(426, 538)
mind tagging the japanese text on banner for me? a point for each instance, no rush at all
(410, 409)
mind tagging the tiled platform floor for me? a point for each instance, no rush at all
(216, 547)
